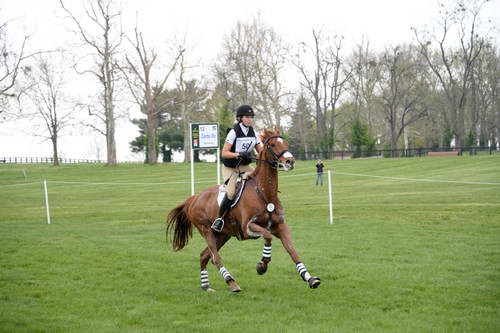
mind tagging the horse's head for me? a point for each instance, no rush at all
(276, 150)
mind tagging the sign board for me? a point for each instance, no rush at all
(204, 135)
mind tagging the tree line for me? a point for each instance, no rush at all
(440, 88)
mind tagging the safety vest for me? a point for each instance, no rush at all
(242, 143)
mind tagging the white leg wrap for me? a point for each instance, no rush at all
(301, 268)
(225, 274)
(266, 252)
(204, 279)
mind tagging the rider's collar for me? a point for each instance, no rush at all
(243, 125)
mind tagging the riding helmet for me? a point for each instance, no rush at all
(244, 110)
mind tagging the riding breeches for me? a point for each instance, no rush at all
(232, 175)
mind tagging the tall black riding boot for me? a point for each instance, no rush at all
(224, 206)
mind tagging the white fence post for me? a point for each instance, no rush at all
(46, 200)
(218, 166)
(330, 195)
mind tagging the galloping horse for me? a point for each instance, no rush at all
(258, 213)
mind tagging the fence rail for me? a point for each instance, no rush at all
(412, 152)
(46, 160)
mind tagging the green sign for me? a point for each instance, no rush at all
(204, 135)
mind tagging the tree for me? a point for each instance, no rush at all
(145, 90)
(47, 97)
(251, 69)
(453, 67)
(13, 59)
(360, 138)
(401, 85)
(365, 75)
(302, 128)
(485, 96)
(191, 98)
(326, 82)
(104, 38)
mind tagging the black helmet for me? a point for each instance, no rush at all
(244, 110)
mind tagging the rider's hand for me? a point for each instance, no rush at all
(245, 154)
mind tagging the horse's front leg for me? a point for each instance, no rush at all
(257, 230)
(209, 236)
(281, 231)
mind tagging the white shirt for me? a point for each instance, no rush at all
(246, 144)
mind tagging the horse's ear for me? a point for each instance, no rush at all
(262, 136)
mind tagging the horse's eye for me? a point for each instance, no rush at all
(273, 145)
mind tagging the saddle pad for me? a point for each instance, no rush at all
(222, 192)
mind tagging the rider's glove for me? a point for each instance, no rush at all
(245, 155)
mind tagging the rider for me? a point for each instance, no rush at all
(236, 153)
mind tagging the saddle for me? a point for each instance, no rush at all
(240, 186)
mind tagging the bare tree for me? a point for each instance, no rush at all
(401, 84)
(365, 76)
(485, 96)
(140, 76)
(252, 69)
(453, 67)
(103, 35)
(11, 64)
(47, 97)
(190, 96)
(326, 82)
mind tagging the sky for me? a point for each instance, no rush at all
(204, 23)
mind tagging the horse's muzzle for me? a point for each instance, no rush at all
(287, 165)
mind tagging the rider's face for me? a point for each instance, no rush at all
(247, 120)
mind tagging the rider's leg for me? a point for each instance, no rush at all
(227, 201)
(231, 176)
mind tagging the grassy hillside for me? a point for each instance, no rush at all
(414, 247)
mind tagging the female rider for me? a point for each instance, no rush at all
(236, 153)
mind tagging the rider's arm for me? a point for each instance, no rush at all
(226, 151)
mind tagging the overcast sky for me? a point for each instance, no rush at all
(382, 22)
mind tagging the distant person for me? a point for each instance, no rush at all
(319, 173)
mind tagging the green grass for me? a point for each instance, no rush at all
(401, 256)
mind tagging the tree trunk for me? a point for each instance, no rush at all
(187, 136)
(110, 141)
(55, 154)
(151, 134)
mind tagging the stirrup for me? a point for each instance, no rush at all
(218, 224)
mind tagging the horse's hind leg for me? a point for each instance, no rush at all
(266, 252)
(205, 255)
(284, 235)
(217, 260)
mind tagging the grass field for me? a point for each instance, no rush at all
(402, 255)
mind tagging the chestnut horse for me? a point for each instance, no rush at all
(258, 213)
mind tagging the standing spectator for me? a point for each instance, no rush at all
(319, 173)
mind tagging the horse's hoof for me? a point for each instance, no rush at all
(234, 286)
(261, 268)
(314, 282)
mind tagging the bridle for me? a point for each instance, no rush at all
(275, 163)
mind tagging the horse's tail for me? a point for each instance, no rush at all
(178, 225)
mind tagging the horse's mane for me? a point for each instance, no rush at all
(267, 133)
